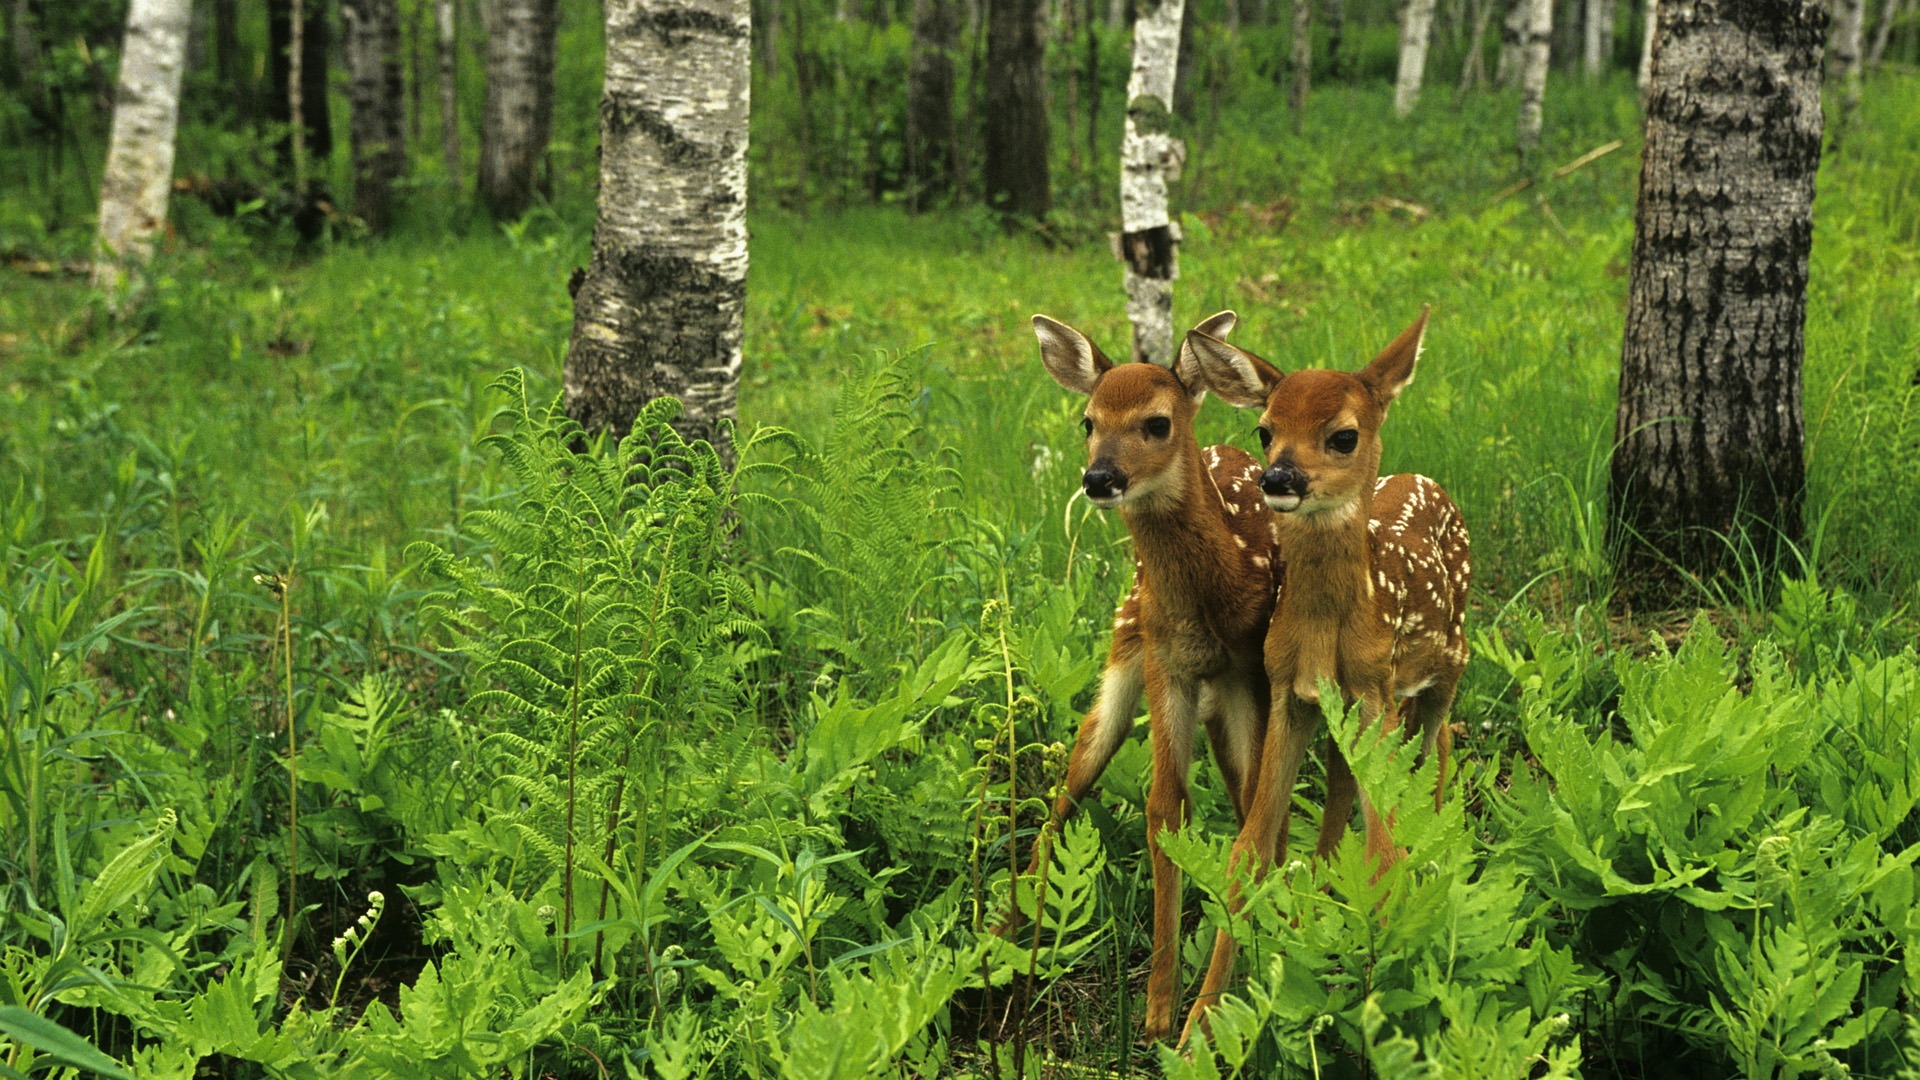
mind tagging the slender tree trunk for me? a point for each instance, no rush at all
(930, 165)
(448, 37)
(1846, 58)
(1232, 14)
(1092, 78)
(297, 68)
(1416, 27)
(1302, 62)
(1068, 32)
(139, 172)
(377, 92)
(1473, 71)
(1513, 40)
(1183, 68)
(1596, 46)
(1609, 10)
(415, 71)
(1018, 144)
(659, 310)
(1116, 13)
(1646, 47)
(1709, 432)
(1533, 72)
(231, 72)
(1150, 161)
(1335, 12)
(770, 39)
(518, 115)
(1883, 31)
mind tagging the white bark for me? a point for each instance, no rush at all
(1883, 31)
(1473, 71)
(1150, 160)
(1513, 38)
(1416, 28)
(1646, 46)
(1597, 44)
(444, 15)
(139, 172)
(1116, 13)
(1534, 52)
(1849, 41)
(1302, 61)
(659, 311)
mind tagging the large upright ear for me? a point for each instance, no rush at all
(1186, 365)
(1392, 370)
(1235, 374)
(1072, 360)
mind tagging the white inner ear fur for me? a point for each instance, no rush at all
(1067, 354)
(1231, 374)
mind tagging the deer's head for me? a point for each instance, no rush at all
(1139, 418)
(1320, 429)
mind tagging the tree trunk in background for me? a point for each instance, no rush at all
(416, 81)
(1335, 12)
(930, 136)
(1233, 16)
(1302, 62)
(1609, 9)
(1091, 75)
(1416, 27)
(1068, 39)
(1150, 160)
(1883, 31)
(1017, 181)
(1646, 47)
(231, 71)
(316, 121)
(1709, 430)
(24, 33)
(660, 308)
(139, 171)
(1473, 70)
(1533, 72)
(1513, 41)
(377, 93)
(1596, 50)
(518, 114)
(448, 40)
(1849, 42)
(770, 39)
(1116, 13)
(1183, 69)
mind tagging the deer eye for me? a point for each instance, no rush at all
(1343, 442)
(1086, 424)
(1266, 437)
(1159, 426)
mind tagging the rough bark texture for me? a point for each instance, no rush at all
(1302, 62)
(1150, 160)
(1646, 46)
(1017, 180)
(1416, 27)
(139, 171)
(1534, 51)
(1709, 428)
(1513, 40)
(449, 57)
(659, 310)
(930, 135)
(518, 114)
(314, 46)
(376, 90)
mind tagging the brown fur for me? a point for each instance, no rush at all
(1372, 604)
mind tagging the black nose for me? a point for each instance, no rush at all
(1283, 480)
(1102, 482)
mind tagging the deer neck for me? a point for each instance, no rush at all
(1329, 590)
(1185, 546)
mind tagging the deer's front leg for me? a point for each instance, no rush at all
(1172, 700)
(1289, 730)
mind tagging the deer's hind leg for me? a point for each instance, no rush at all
(1427, 713)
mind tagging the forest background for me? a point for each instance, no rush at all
(356, 724)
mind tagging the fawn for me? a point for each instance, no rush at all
(1375, 589)
(1191, 631)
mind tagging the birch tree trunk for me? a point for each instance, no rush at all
(297, 54)
(1416, 27)
(1534, 53)
(1473, 71)
(1150, 160)
(1594, 26)
(1883, 31)
(518, 115)
(139, 171)
(1709, 429)
(376, 90)
(1513, 41)
(444, 15)
(1302, 62)
(1646, 47)
(1017, 179)
(659, 310)
(930, 137)
(1849, 41)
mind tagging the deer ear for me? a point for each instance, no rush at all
(1186, 365)
(1072, 360)
(1237, 375)
(1392, 371)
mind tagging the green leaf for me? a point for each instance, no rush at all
(57, 1042)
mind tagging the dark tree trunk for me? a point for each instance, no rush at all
(314, 51)
(659, 310)
(1335, 13)
(518, 115)
(936, 33)
(1709, 430)
(231, 71)
(377, 92)
(1017, 180)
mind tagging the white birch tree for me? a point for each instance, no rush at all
(139, 173)
(1847, 56)
(1416, 29)
(1534, 53)
(1646, 46)
(1150, 160)
(659, 309)
(447, 45)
